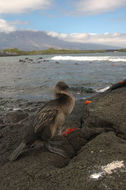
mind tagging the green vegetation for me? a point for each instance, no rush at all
(16, 51)
(122, 50)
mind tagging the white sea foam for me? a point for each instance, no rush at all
(90, 58)
(103, 89)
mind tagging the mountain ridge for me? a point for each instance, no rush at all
(39, 40)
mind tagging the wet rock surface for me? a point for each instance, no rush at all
(35, 61)
(99, 140)
(15, 116)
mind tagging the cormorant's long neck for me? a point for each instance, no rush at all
(66, 102)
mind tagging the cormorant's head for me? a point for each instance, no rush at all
(61, 88)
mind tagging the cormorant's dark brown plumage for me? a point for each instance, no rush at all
(49, 120)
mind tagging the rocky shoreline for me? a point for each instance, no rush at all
(97, 144)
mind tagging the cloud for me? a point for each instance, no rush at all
(115, 39)
(18, 22)
(11, 26)
(90, 7)
(6, 26)
(82, 7)
(20, 6)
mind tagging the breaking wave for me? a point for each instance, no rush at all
(103, 89)
(90, 58)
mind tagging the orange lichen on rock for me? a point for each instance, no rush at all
(87, 102)
(68, 130)
(121, 82)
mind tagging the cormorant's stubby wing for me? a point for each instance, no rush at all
(45, 117)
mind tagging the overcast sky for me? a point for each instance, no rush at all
(97, 21)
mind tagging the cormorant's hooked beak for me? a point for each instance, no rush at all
(67, 92)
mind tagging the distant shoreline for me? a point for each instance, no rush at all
(17, 52)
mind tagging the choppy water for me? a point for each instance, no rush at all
(34, 79)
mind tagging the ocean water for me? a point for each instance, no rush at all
(23, 78)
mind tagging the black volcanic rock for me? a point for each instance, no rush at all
(107, 111)
(99, 142)
(15, 116)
